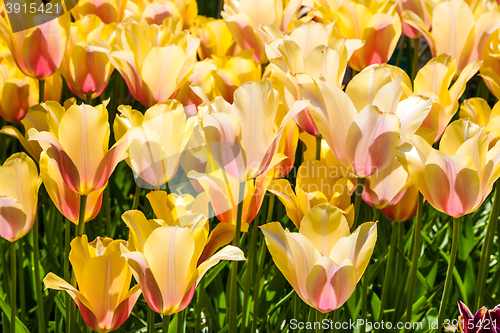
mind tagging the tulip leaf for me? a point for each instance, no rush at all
(20, 328)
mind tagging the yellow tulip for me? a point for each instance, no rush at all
(165, 261)
(38, 51)
(363, 125)
(19, 184)
(405, 208)
(458, 177)
(288, 147)
(244, 17)
(323, 261)
(104, 297)
(215, 37)
(77, 141)
(85, 66)
(38, 117)
(374, 22)
(311, 48)
(434, 80)
(479, 112)
(456, 31)
(317, 183)
(156, 144)
(155, 60)
(109, 11)
(490, 70)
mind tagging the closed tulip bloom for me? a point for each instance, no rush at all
(434, 80)
(323, 261)
(215, 37)
(85, 66)
(165, 259)
(104, 296)
(78, 142)
(405, 208)
(19, 184)
(318, 182)
(363, 125)
(458, 177)
(479, 112)
(456, 31)
(38, 51)
(154, 60)
(376, 23)
(244, 17)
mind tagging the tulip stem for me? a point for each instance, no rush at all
(107, 210)
(357, 200)
(137, 195)
(318, 147)
(197, 324)
(38, 282)
(416, 46)
(401, 49)
(234, 265)
(487, 246)
(41, 91)
(81, 215)
(415, 256)
(449, 273)
(165, 324)
(22, 290)
(385, 286)
(151, 321)
(66, 271)
(88, 100)
(13, 291)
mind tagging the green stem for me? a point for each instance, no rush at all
(107, 210)
(486, 250)
(197, 324)
(13, 277)
(415, 256)
(357, 200)
(260, 267)
(165, 323)
(234, 265)
(416, 46)
(249, 273)
(219, 8)
(88, 100)
(181, 323)
(401, 49)
(151, 321)
(318, 147)
(449, 273)
(38, 281)
(366, 277)
(137, 195)
(66, 271)
(296, 308)
(81, 215)
(22, 293)
(41, 90)
(387, 277)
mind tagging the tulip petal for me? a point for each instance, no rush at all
(139, 226)
(283, 190)
(123, 310)
(12, 219)
(324, 225)
(227, 253)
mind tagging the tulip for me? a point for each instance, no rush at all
(490, 70)
(165, 261)
(434, 81)
(485, 320)
(458, 177)
(244, 17)
(363, 125)
(376, 23)
(38, 51)
(405, 208)
(109, 11)
(156, 145)
(323, 261)
(310, 48)
(38, 117)
(85, 66)
(103, 277)
(288, 147)
(479, 112)
(156, 67)
(456, 31)
(78, 143)
(19, 184)
(422, 9)
(215, 37)
(317, 183)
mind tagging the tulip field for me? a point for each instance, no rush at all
(249, 166)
